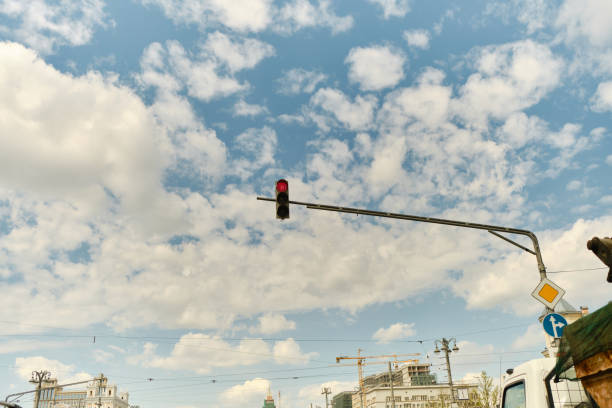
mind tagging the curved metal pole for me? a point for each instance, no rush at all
(432, 220)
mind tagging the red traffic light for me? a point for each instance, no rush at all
(282, 199)
(282, 186)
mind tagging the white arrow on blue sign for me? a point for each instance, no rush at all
(554, 324)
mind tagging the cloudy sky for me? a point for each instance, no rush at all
(135, 136)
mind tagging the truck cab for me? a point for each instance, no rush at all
(531, 385)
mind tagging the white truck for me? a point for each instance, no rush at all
(531, 385)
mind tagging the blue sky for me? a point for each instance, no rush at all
(137, 134)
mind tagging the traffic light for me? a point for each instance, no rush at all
(602, 247)
(282, 199)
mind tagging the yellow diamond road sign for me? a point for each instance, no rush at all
(548, 292)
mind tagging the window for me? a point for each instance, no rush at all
(514, 396)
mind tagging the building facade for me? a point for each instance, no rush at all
(98, 394)
(417, 396)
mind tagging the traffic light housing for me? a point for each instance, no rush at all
(282, 199)
(602, 248)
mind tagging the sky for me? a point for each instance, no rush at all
(136, 135)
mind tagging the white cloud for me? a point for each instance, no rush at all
(510, 78)
(14, 346)
(239, 15)
(237, 54)
(586, 19)
(45, 26)
(207, 75)
(396, 331)
(201, 353)
(573, 185)
(534, 14)
(393, 8)
(354, 115)
(609, 160)
(254, 15)
(194, 144)
(375, 68)
(242, 108)
(468, 350)
(110, 145)
(520, 129)
(250, 393)
(299, 80)
(334, 177)
(272, 323)
(102, 356)
(289, 352)
(607, 199)
(258, 147)
(201, 75)
(532, 338)
(602, 100)
(24, 366)
(299, 14)
(417, 38)
(426, 103)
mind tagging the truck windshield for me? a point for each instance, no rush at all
(514, 396)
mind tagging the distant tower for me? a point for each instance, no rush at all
(269, 401)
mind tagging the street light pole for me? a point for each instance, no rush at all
(37, 378)
(444, 345)
(391, 385)
(326, 391)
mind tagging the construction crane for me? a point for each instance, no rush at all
(361, 362)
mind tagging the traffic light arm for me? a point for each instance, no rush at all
(493, 229)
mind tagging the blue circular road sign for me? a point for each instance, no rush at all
(554, 324)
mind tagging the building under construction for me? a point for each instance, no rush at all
(412, 374)
(409, 385)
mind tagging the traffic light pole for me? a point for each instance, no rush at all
(493, 229)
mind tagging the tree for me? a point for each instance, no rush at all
(487, 394)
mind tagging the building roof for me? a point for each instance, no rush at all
(563, 306)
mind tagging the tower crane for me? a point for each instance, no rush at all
(361, 362)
